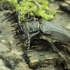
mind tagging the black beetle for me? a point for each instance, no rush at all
(48, 31)
(54, 31)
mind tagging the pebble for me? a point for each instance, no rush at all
(2, 65)
(3, 41)
(22, 66)
(3, 48)
(65, 5)
(42, 58)
(1, 36)
(54, 6)
(67, 1)
(49, 67)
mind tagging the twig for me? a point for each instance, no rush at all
(57, 51)
(36, 3)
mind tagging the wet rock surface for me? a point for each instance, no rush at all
(65, 5)
(14, 57)
(10, 52)
(3, 66)
(42, 58)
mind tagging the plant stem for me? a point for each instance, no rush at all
(36, 3)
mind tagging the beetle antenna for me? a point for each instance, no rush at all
(8, 16)
(57, 51)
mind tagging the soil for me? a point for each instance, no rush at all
(13, 56)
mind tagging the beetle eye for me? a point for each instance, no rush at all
(33, 30)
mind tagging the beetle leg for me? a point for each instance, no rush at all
(57, 51)
(19, 21)
(29, 37)
(32, 35)
(25, 31)
(28, 42)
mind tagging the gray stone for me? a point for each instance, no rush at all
(54, 6)
(22, 66)
(67, 1)
(3, 48)
(34, 58)
(2, 65)
(42, 58)
(49, 67)
(65, 6)
(68, 65)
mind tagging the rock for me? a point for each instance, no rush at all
(16, 52)
(54, 6)
(1, 36)
(48, 58)
(42, 58)
(3, 48)
(22, 66)
(68, 26)
(2, 65)
(59, 0)
(65, 5)
(0, 31)
(68, 63)
(49, 67)
(64, 17)
(3, 41)
(67, 1)
(33, 58)
(34, 62)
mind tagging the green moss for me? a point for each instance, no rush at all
(34, 7)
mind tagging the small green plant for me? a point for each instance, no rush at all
(33, 7)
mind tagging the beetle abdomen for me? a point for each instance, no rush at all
(54, 31)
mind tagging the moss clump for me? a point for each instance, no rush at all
(33, 7)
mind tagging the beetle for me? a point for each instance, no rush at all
(48, 31)
(54, 31)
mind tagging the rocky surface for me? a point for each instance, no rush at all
(3, 66)
(65, 5)
(42, 58)
(10, 52)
